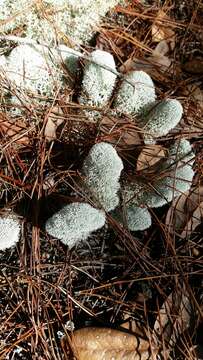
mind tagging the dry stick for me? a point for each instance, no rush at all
(76, 53)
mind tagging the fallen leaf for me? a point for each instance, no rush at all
(162, 48)
(157, 33)
(53, 121)
(185, 212)
(107, 344)
(195, 93)
(161, 31)
(162, 61)
(150, 63)
(194, 66)
(194, 221)
(135, 64)
(173, 318)
(120, 131)
(14, 131)
(149, 156)
(133, 325)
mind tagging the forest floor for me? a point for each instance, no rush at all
(131, 282)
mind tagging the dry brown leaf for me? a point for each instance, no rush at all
(149, 156)
(162, 48)
(195, 93)
(194, 66)
(158, 58)
(194, 353)
(194, 221)
(162, 61)
(54, 120)
(133, 325)
(120, 131)
(185, 212)
(158, 33)
(161, 31)
(135, 64)
(14, 131)
(173, 318)
(107, 344)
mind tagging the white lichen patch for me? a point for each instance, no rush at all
(136, 193)
(98, 82)
(102, 169)
(178, 182)
(75, 222)
(180, 151)
(132, 99)
(138, 218)
(177, 179)
(162, 117)
(29, 69)
(3, 62)
(35, 74)
(9, 231)
(54, 20)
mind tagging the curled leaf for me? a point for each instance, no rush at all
(195, 93)
(160, 60)
(185, 212)
(173, 318)
(160, 29)
(194, 221)
(194, 66)
(120, 132)
(149, 156)
(107, 344)
(14, 132)
(53, 121)
(162, 48)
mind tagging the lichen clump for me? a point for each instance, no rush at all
(135, 97)
(98, 82)
(35, 75)
(75, 222)
(9, 231)
(176, 179)
(31, 70)
(102, 169)
(52, 20)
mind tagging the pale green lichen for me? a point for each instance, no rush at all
(75, 222)
(34, 71)
(137, 218)
(30, 70)
(162, 117)
(102, 169)
(135, 96)
(180, 151)
(9, 231)
(177, 179)
(98, 82)
(132, 99)
(52, 20)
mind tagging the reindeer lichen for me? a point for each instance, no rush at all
(102, 169)
(75, 222)
(98, 83)
(9, 231)
(162, 117)
(133, 99)
(52, 20)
